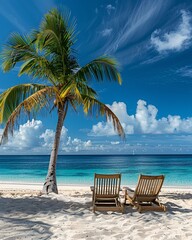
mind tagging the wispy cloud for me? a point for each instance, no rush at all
(7, 11)
(106, 32)
(153, 59)
(174, 40)
(11, 11)
(131, 26)
(143, 29)
(185, 71)
(110, 8)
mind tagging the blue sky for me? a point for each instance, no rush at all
(152, 40)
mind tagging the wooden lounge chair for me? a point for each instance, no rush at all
(145, 196)
(106, 193)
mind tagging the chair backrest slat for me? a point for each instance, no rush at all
(105, 185)
(148, 186)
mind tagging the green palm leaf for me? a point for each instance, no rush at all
(19, 48)
(13, 96)
(56, 38)
(100, 69)
(93, 106)
(30, 105)
(57, 33)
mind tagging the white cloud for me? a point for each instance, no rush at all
(76, 145)
(115, 143)
(106, 32)
(27, 137)
(174, 40)
(32, 138)
(110, 8)
(88, 143)
(146, 117)
(102, 129)
(144, 121)
(48, 137)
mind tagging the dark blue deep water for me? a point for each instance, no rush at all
(80, 169)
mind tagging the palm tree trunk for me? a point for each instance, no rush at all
(50, 184)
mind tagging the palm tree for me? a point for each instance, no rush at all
(48, 55)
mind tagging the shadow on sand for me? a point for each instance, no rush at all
(22, 213)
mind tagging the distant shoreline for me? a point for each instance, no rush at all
(6, 185)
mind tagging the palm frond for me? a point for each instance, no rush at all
(100, 69)
(39, 67)
(57, 32)
(73, 104)
(93, 106)
(86, 90)
(18, 48)
(31, 105)
(23, 49)
(13, 96)
(70, 90)
(55, 38)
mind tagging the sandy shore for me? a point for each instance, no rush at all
(24, 214)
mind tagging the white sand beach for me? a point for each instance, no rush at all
(25, 214)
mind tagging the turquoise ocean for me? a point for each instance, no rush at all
(80, 169)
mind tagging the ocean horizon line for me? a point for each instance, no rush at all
(90, 154)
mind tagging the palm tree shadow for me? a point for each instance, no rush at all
(44, 205)
(178, 196)
(19, 227)
(173, 207)
(25, 214)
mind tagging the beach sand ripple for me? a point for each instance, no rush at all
(24, 214)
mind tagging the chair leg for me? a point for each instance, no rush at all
(123, 209)
(92, 197)
(93, 209)
(160, 205)
(139, 208)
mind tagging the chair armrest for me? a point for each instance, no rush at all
(127, 189)
(92, 188)
(129, 193)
